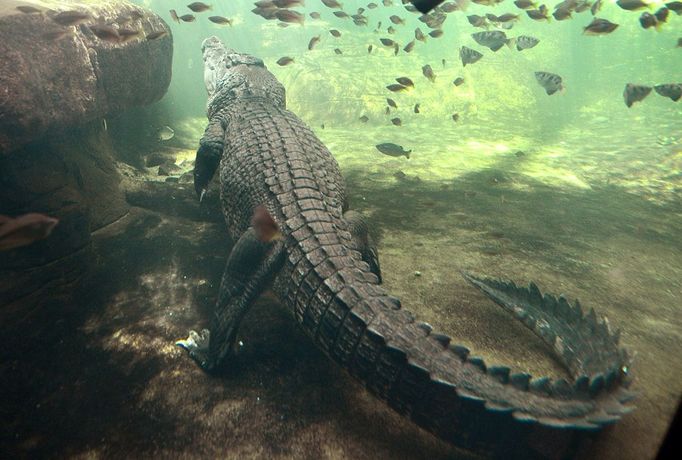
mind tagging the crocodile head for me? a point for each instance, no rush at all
(229, 75)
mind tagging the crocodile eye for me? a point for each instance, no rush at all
(624, 370)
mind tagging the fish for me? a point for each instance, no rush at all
(538, 15)
(596, 7)
(599, 26)
(335, 33)
(387, 111)
(372, 5)
(313, 41)
(436, 33)
(128, 34)
(561, 14)
(455, 117)
(285, 60)
(198, 7)
(396, 19)
(647, 20)
(315, 15)
(409, 46)
(105, 33)
(525, 42)
(393, 150)
(419, 35)
(449, 7)
(551, 82)
(26, 9)
(390, 30)
(220, 20)
(369, 49)
(332, 4)
(264, 225)
(675, 6)
(494, 40)
(166, 133)
(469, 56)
(290, 16)
(340, 14)
(662, 14)
(25, 229)
(395, 87)
(416, 108)
(679, 43)
(508, 17)
(364, 118)
(156, 35)
(387, 2)
(187, 18)
(391, 103)
(288, 3)
(443, 62)
(525, 4)
(428, 73)
(477, 21)
(56, 35)
(671, 90)
(584, 5)
(635, 93)
(70, 18)
(266, 13)
(458, 81)
(396, 48)
(387, 41)
(632, 5)
(396, 121)
(405, 81)
(338, 51)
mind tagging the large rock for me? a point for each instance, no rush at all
(49, 84)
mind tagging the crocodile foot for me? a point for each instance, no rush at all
(197, 345)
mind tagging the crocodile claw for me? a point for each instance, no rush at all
(197, 345)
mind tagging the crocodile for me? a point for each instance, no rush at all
(318, 258)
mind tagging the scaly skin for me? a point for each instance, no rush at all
(324, 270)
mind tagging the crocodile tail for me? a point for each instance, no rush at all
(445, 389)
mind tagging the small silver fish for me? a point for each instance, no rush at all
(166, 133)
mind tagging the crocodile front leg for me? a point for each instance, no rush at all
(208, 156)
(251, 265)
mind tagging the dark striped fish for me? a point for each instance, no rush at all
(551, 82)
(469, 56)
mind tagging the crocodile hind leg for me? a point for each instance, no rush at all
(362, 240)
(250, 266)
